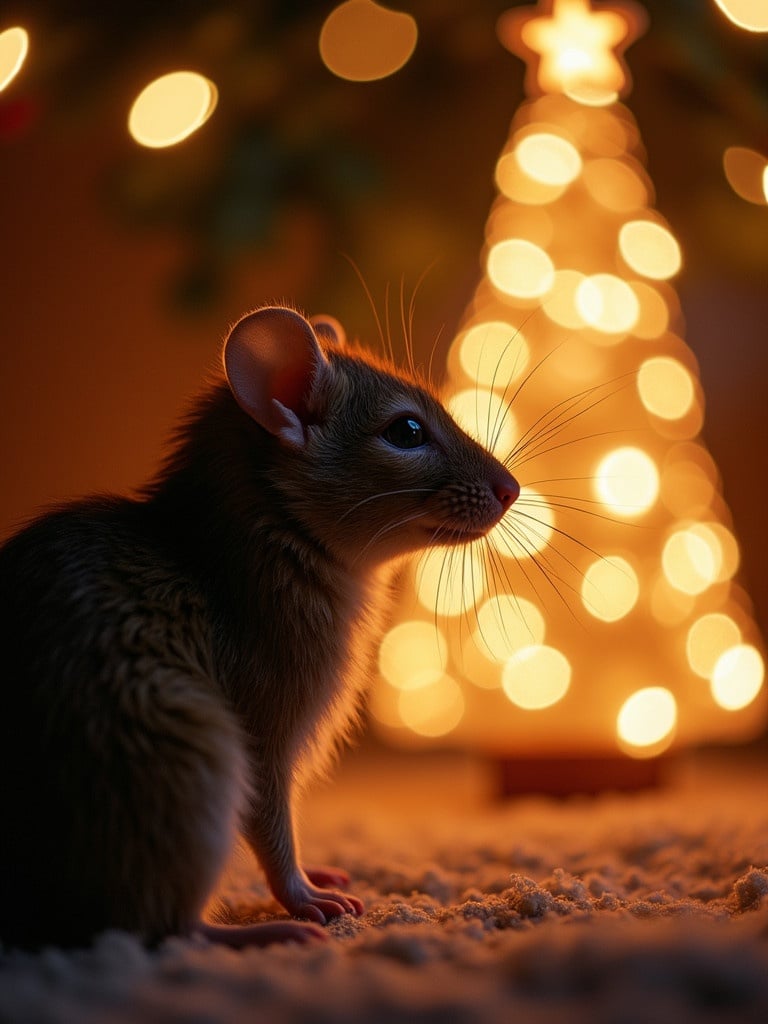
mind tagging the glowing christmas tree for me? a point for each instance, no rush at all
(603, 619)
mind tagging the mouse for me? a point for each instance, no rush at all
(179, 663)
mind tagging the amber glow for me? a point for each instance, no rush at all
(627, 481)
(520, 269)
(577, 48)
(493, 353)
(14, 45)
(708, 638)
(691, 559)
(745, 170)
(665, 387)
(650, 249)
(536, 677)
(610, 588)
(647, 720)
(448, 583)
(363, 41)
(505, 624)
(607, 303)
(413, 654)
(548, 158)
(485, 416)
(737, 677)
(529, 527)
(432, 710)
(171, 108)
(751, 15)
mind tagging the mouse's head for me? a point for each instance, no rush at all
(367, 457)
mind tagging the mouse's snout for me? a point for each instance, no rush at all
(506, 488)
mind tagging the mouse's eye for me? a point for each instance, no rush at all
(405, 432)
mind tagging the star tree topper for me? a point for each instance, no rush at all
(571, 47)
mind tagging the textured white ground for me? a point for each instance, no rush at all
(621, 909)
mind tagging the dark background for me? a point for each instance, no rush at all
(123, 267)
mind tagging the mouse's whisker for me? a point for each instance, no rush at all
(385, 494)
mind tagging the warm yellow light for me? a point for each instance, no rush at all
(506, 623)
(610, 588)
(548, 158)
(665, 387)
(560, 304)
(514, 183)
(745, 170)
(653, 320)
(171, 108)
(749, 14)
(536, 677)
(485, 416)
(493, 353)
(614, 185)
(526, 529)
(520, 268)
(765, 182)
(578, 47)
(627, 481)
(737, 677)
(650, 249)
(691, 559)
(363, 41)
(413, 654)
(432, 710)
(449, 581)
(14, 46)
(709, 637)
(647, 720)
(607, 303)
(727, 547)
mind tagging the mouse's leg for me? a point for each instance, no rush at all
(269, 831)
(326, 877)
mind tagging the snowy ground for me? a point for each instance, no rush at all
(620, 909)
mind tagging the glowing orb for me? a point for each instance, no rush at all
(560, 304)
(485, 416)
(708, 638)
(610, 588)
(627, 481)
(650, 249)
(432, 710)
(493, 353)
(536, 677)
(363, 41)
(413, 654)
(549, 159)
(614, 185)
(751, 15)
(646, 721)
(520, 269)
(171, 108)
(14, 46)
(506, 623)
(607, 303)
(665, 387)
(691, 559)
(737, 677)
(449, 581)
(745, 171)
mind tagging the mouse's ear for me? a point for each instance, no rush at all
(329, 327)
(273, 362)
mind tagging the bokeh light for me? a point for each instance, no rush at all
(610, 588)
(607, 303)
(745, 171)
(362, 41)
(650, 249)
(432, 710)
(646, 721)
(520, 269)
(449, 581)
(615, 185)
(485, 416)
(493, 353)
(171, 108)
(14, 46)
(549, 159)
(737, 677)
(412, 654)
(627, 481)
(560, 303)
(751, 15)
(505, 623)
(665, 387)
(536, 677)
(709, 637)
(691, 559)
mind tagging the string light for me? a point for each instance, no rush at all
(171, 108)
(14, 46)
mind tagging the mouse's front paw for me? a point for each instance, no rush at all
(306, 901)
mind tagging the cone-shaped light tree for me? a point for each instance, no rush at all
(601, 617)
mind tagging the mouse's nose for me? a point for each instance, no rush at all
(506, 489)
